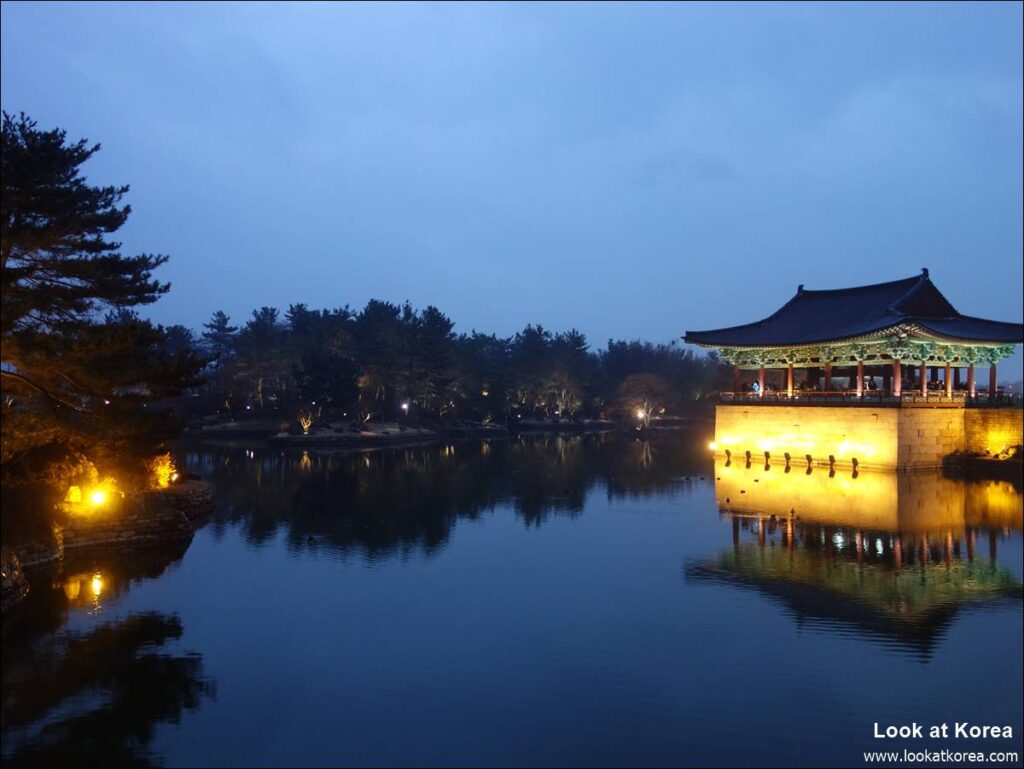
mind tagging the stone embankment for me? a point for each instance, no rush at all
(153, 519)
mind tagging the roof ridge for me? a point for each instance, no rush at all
(915, 278)
(922, 283)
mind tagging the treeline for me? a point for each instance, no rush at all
(390, 361)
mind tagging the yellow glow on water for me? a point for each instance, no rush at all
(96, 584)
(876, 500)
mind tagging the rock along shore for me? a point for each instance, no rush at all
(153, 519)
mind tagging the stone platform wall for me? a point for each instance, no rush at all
(889, 438)
(992, 430)
(867, 434)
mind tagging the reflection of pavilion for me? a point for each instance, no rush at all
(894, 554)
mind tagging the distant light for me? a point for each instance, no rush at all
(106, 402)
(640, 414)
(405, 407)
(713, 446)
(98, 497)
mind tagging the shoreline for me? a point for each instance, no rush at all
(149, 520)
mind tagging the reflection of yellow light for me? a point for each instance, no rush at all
(97, 497)
(96, 584)
(72, 588)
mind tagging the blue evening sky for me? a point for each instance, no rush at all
(629, 170)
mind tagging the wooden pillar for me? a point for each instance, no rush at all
(897, 551)
(897, 378)
(924, 381)
(970, 381)
(760, 381)
(789, 380)
(949, 383)
(992, 386)
(828, 377)
(735, 379)
(860, 379)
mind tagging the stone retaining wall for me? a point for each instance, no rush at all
(992, 430)
(890, 438)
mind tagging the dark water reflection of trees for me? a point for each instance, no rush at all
(380, 503)
(95, 697)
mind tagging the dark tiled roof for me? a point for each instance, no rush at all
(824, 316)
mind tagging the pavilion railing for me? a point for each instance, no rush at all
(882, 397)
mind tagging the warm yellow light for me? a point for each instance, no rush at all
(163, 471)
(639, 413)
(713, 446)
(97, 497)
(97, 584)
(74, 495)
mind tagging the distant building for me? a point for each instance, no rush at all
(895, 332)
(897, 344)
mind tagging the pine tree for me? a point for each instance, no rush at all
(75, 383)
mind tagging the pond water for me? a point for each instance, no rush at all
(547, 600)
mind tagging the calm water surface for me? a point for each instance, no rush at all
(549, 600)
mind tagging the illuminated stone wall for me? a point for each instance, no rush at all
(926, 436)
(993, 430)
(903, 438)
(869, 435)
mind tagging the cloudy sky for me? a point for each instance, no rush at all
(629, 170)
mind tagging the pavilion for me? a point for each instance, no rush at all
(896, 342)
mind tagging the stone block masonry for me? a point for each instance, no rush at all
(877, 437)
(993, 430)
